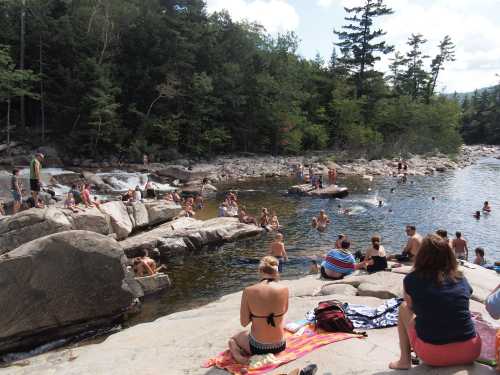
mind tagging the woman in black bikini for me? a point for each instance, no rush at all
(264, 305)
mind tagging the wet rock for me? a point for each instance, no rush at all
(59, 285)
(120, 220)
(29, 225)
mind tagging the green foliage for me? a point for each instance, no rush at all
(128, 77)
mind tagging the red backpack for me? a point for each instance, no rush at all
(331, 317)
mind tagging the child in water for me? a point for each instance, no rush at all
(479, 260)
(278, 251)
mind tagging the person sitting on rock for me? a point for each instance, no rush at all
(143, 264)
(156, 256)
(278, 251)
(77, 194)
(96, 202)
(265, 219)
(137, 194)
(274, 223)
(176, 197)
(223, 209)
(189, 210)
(70, 204)
(150, 190)
(264, 306)
(129, 195)
(338, 243)
(435, 319)
(375, 256)
(410, 251)
(245, 218)
(30, 203)
(486, 207)
(85, 193)
(339, 263)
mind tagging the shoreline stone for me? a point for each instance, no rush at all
(189, 338)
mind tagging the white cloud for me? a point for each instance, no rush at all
(325, 3)
(474, 30)
(274, 15)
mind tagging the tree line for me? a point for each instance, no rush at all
(163, 77)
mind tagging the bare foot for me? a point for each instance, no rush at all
(400, 365)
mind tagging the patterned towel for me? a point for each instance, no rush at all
(487, 332)
(296, 347)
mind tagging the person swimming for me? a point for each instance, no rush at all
(486, 207)
(321, 222)
(477, 215)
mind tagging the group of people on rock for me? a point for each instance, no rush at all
(434, 321)
(269, 221)
(80, 194)
(313, 177)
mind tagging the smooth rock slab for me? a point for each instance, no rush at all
(179, 343)
(187, 234)
(91, 220)
(120, 220)
(29, 225)
(58, 285)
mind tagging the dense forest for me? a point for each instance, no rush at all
(106, 77)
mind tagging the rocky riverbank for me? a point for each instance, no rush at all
(179, 343)
(63, 273)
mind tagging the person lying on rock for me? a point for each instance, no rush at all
(264, 306)
(435, 319)
(143, 264)
(339, 263)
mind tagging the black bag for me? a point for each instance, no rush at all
(331, 317)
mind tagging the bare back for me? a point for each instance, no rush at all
(258, 302)
(277, 249)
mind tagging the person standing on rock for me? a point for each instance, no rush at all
(264, 306)
(15, 187)
(35, 177)
(459, 246)
(435, 319)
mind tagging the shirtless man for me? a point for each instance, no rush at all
(278, 251)
(459, 246)
(412, 246)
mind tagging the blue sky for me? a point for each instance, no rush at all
(474, 28)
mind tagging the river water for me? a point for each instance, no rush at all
(203, 277)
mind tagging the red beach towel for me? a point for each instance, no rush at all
(487, 332)
(296, 347)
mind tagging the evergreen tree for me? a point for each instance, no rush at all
(446, 54)
(416, 77)
(359, 39)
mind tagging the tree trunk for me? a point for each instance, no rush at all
(21, 61)
(42, 103)
(8, 127)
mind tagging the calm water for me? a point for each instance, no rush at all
(202, 277)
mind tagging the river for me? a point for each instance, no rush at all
(202, 277)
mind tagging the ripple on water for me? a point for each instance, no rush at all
(201, 278)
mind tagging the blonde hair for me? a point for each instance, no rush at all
(269, 265)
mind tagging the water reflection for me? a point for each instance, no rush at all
(202, 277)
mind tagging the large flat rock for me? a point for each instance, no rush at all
(30, 225)
(332, 191)
(58, 285)
(179, 343)
(187, 234)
